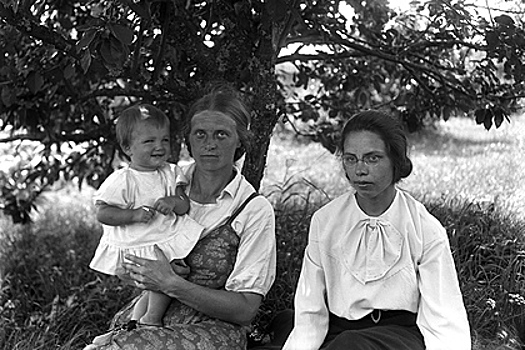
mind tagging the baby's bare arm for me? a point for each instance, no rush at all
(114, 216)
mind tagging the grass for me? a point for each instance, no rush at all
(469, 178)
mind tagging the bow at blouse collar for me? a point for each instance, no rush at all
(372, 248)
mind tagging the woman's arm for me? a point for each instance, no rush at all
(442, 317)
(235, 307)
(311, 310)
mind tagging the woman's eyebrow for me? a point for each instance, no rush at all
(366, 154)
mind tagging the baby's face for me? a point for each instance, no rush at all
(150, 146)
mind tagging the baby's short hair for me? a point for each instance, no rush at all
(131, 116)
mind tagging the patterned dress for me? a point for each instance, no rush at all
(210, 262)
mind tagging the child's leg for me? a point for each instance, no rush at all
(157, 305)
(140, 308)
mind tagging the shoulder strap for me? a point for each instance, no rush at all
(241, 207)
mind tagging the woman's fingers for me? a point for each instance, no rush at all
(160, 254)
(149, 274)
(136, 260)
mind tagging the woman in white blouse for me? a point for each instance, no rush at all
(378, 271)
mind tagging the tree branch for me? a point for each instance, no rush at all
(29, 27)
(432, 69)
(41, 137)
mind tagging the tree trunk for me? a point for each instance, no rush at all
(264, 101)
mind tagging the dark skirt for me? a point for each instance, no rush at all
(391, 330)
(381, 330)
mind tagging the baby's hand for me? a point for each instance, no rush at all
(165, 205)
(143, 214)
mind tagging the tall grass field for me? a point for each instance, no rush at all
(471, 179)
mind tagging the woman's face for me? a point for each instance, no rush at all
(368, 166)
(213, 139)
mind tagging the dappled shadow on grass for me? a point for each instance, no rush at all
(432, 141)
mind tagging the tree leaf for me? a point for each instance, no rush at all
(504, 20)
(105, 52)
(87, 38)
(277, 9)
(141, 8)
(498, 117)
(85, 61)
(122, 33)
(69, 71)
(480, 115)
(119, 51)
(362, 98)
(8, 97)
(35, 81)
(488, 121)
(447, 112)
(492, 39)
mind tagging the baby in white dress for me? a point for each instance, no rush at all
(144, 205)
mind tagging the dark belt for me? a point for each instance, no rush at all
(375, 318)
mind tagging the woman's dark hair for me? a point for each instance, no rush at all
(390, 130)
(224, 100)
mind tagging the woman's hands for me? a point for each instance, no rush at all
(157, 275)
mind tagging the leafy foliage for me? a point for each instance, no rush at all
(450, 61)
(68, 67)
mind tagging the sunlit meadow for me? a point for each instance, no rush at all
(456, 159)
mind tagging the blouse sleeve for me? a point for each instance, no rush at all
(254, 269)
(311, 311)
(442, 317)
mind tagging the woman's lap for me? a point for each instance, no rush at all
(390, 337)
(206, 335)
(379, 337)
(185, 328)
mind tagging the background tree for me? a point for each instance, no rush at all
(68, 67)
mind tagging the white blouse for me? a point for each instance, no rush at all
(255, 266)
(400, 260)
